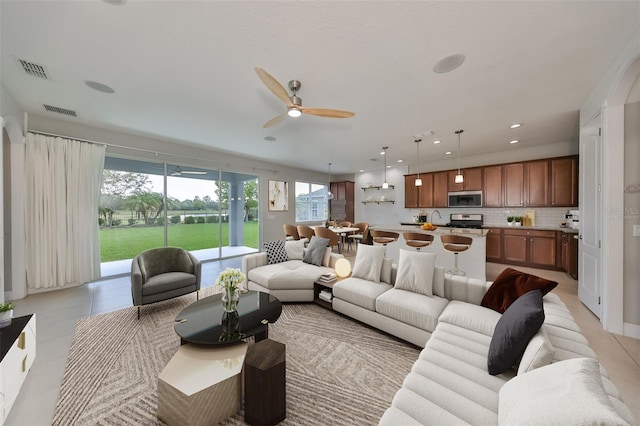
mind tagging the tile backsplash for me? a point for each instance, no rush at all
(544, 216)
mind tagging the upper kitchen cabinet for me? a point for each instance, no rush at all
(564, 182)
(537, 183)
(492, 192)
(513, 185)
(418, 196)
(472, 180)
(440, 189)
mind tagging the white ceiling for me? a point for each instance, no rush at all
(184, 70)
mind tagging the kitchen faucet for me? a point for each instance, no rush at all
(435, 211)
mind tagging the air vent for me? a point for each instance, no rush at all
(59, 110)
(33, 69)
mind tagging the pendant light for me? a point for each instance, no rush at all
(385, 184)
(459, 177)
(418, 180)
(329, 194)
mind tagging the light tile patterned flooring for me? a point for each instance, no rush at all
(58, 311)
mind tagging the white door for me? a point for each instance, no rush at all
(590, 253)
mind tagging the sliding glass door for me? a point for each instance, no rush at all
(212, 213)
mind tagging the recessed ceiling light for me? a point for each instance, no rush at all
(99, 87)
(447, 153)
(448, 63)
(388, 166)
(269, 138)
(382, 153)
(361, 171)
(400, 161)
(514, 141)
(515, 125)
(436, 142)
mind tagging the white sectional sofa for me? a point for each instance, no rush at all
(450, 382)
(291, 280)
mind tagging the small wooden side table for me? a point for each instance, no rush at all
(265, 383)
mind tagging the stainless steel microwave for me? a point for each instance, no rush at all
(465, 199)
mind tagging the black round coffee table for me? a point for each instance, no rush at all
(206, 322)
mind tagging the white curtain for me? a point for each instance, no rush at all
(63, 179)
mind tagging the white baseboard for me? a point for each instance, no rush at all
(8, 295)
(631, 330)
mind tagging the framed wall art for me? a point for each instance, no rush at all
(278, 196)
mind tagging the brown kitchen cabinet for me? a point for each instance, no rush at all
(573, 255)
(472, 180)
(534, 248)
(440, 189)
(564, 181)
(410, 192)
(494, 245)
(492, 187)
(537, 183)
(513, 184)
(418, 196)
(342, 205)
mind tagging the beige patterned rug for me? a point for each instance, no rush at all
(339, 372)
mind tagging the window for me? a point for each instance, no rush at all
(311, 202)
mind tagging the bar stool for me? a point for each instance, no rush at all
(383, 237)
(456, 244)
(417, 240)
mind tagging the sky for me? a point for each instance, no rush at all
(184, 188)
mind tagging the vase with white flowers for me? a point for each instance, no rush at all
(6, 314)
(230, 280)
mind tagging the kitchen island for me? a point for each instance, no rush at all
(472, 261)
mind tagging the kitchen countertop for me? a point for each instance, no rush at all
(566, 230)
(539, 228)
(414, 227)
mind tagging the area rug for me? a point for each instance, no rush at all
(339, 372)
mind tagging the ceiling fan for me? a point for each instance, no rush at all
(293, 102)
(179, 172)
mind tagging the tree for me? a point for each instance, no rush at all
(250, 197)
(120, 184)
(148, 204)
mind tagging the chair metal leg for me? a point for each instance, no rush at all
(138, 311)
(197, 295)
(455, 270)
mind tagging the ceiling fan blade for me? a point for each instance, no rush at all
(273, 85)
(275, 120)
(324, 112)
(193, 172)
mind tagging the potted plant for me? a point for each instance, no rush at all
(518, 220)
(510, 220)
(6, 314)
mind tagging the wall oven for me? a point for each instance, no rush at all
(465, 199)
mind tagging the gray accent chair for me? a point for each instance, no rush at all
(163, 273)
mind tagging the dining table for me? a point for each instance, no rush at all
(342, 232)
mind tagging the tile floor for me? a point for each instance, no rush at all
(58, 311)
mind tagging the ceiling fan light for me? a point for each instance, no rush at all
(385, 185)
(418, 182)
(459, 178)
(294, 112)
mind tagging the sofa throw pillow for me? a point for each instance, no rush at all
(510, 285)
(315, 251)
(519, 323)
(568, 392)
(368, 263)
(276, 252)
(295, 249)
(538, 353)
(415, 272)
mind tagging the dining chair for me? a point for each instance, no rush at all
(305, 231)
(291, 232)
(359, 235)
(334, 239)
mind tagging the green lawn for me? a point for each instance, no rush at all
(125, 242)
